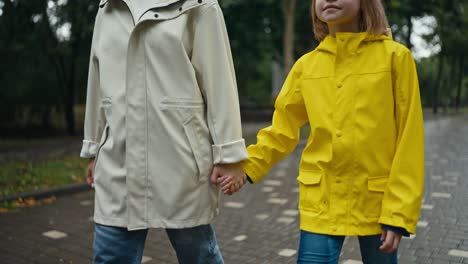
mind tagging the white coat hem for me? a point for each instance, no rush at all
(158, 223)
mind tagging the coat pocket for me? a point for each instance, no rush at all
(103, 141)
(311, 191)
(200, 147)
(376, 186)
(377, 183)
(181, 103)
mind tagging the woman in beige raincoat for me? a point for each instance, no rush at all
(162, 108)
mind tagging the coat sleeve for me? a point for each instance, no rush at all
(94, 115)
(212, 61)
(402, 199)
(280, 139)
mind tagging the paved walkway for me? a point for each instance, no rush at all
(260, 224)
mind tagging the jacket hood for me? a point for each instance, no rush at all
(352, 40)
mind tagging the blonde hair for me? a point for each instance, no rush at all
(372, 19)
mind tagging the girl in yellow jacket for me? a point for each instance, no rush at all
(361, 172)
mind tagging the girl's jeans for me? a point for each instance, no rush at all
(116, 245)
(317, 248)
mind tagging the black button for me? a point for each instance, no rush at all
(180, 9)
(156, 15)
(200, 1)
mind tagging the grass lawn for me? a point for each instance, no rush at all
(17, 177)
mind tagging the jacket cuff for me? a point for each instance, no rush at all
(408, 225)
(228, 153)
(249, 179)
(89, 149)
(254, 173)
(395, 229)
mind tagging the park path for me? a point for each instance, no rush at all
(260, 224)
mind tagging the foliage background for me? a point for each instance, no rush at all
(44, 53)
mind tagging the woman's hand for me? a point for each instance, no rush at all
(90, 173)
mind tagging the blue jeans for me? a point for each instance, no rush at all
(116, 245)
(317, 248)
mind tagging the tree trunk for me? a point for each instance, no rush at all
(409, 23)
(289, 8)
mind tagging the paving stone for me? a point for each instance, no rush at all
(441, 195)
(234, 205)
(267, 189)
(287, 252)
(427, 207)
(280, 201)
(54, 234)
(286, 220)
(273, 183)
(240, 238)
(291, 212)
(352, 261)
(458, 253)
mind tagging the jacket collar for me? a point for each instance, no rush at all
(146, 3)
(102, 3)
(351, 40)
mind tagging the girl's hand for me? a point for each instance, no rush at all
(390, 241)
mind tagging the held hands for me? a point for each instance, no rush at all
(390, 241)
(230, 177)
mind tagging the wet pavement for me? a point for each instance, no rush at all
(260, 223)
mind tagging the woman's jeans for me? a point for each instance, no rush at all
(317, 248)
(116, 245)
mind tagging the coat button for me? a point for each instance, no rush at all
(200, 1)
(180, 9)
(156, 15)
(339, 85)
(339, 133)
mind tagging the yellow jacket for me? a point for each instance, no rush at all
(363, 164)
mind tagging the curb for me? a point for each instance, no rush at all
(56, 191)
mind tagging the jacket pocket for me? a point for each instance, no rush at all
(103, 141)
(372, 204)
(181, 103)
(201, 149)
(311, 191)
(377, 183)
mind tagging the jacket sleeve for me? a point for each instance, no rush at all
(278, 140)
(94, 115)
(212, 61)
(402, 199)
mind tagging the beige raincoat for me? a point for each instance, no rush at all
(162, 108)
